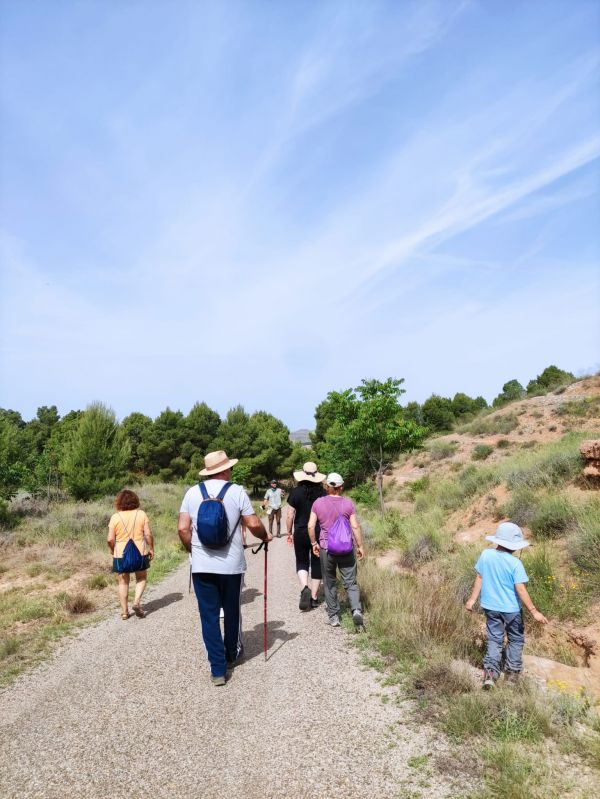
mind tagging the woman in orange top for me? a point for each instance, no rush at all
(130, 521)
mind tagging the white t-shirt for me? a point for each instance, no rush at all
(230, 559)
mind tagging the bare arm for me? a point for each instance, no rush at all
(184, 530)
(149, 539)
(474, 593)
(111, 538)
(256, 527)
(289, 520)
(360, 552)
(523, 594)
(312, 532)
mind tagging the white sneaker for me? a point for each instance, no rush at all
(334, 621)
(357, 618)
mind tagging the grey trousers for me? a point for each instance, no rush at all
(496, 657)
(347, 566)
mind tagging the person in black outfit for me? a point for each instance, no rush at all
(300, 502)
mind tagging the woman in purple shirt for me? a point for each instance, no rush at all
(325, 511)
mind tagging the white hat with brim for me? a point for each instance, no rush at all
(216, 462)
(508, 535)
(309, 472)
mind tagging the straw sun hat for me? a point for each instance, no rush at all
(216, 462)
(309, 472)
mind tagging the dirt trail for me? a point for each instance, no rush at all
(127, 709)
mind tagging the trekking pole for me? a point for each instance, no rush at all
(264, 544)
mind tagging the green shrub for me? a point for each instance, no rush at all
(423, 548)
(585, 545)
(558, 596)
(97, 582)
(504, 714)
(365, 494)
(496, 424)
(521, 507)
(583, 408)
(553, 517)
(481, 452)
(439, 450)
(546, 467)
(503, 443)
(418, 486)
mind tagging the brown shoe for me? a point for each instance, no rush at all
(138, 611)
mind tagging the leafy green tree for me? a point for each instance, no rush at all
(37, 432)
(137, 427)
(511, 392)
(234, 435)
(369, 432)
(270, 447)
(437, 413)
(96, 454)
(337, 407)
(550, 379)
(464, 407)
(414, 412)
(201, 427)
(13, 469)
(162, 443)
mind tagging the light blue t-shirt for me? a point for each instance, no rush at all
(500, 571)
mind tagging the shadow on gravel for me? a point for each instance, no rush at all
(254, 639)
(163, 602)
(249, 595)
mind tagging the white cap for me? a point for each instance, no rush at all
(334, 479)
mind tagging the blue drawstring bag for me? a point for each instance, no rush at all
(132, 559)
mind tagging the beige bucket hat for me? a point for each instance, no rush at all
(216, 462)
(309, 472)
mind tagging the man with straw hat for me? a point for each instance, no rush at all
(217, 572)
(501, 579)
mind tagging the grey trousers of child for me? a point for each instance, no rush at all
(497, 624)
(347, 566)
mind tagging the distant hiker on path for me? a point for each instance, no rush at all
(337, 513)
(272, 504)
(130, 523)
(210, 528)
(501, 579)
(300, 502)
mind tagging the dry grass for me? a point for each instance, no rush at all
(56, 567)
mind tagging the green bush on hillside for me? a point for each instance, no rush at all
(585, 545)
(439, 450)
(481, 452)
(491, 425)
(553, 517)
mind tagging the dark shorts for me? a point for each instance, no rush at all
(117, 568)
(305, 557)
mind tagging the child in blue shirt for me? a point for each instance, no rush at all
(501, 580)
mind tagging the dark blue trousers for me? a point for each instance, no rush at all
(213, 592)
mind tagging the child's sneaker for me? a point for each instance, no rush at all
(489, 680)
(334, 621)
(357, 618)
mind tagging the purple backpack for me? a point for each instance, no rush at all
(339, 536)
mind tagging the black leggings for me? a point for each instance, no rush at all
(305, 556)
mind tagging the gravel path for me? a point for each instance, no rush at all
(127, 709)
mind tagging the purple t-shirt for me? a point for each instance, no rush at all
(328, 509)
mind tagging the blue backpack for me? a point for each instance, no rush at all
(212, 524)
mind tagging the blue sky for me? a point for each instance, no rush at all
(258, 202)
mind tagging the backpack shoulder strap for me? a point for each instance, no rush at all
(203, 491)
(223, 491)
